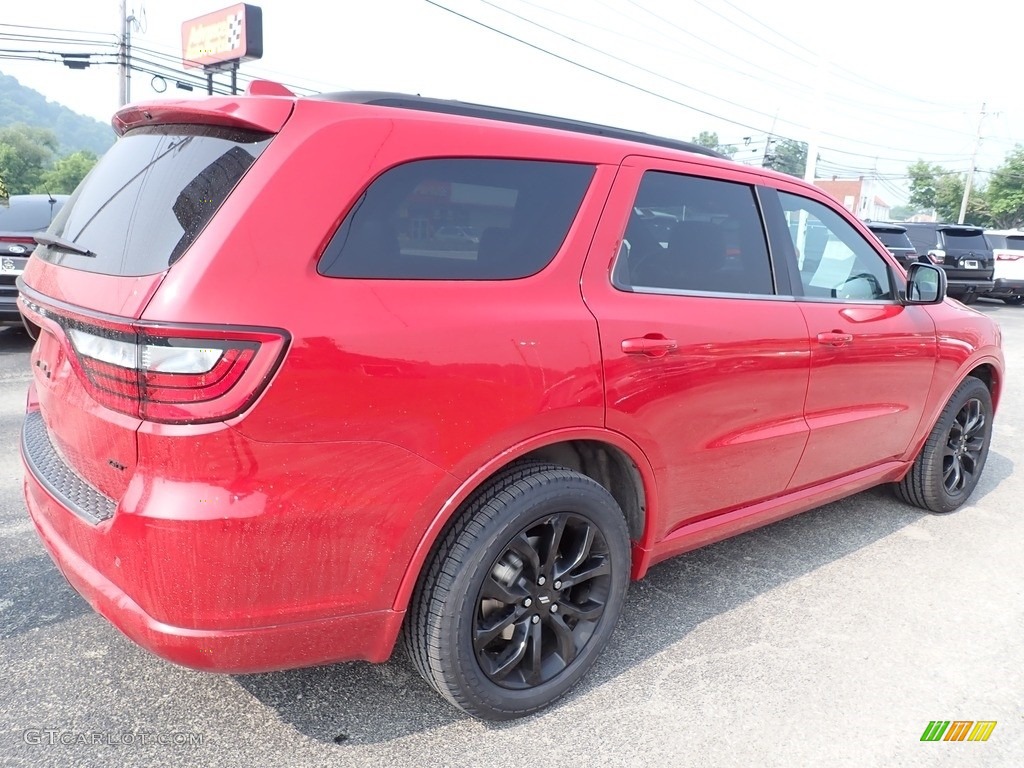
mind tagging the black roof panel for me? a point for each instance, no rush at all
(466, 109)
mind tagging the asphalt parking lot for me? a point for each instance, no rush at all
(832, 638)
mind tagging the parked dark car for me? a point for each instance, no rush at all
(894, 238)
(962, 251)
(20, 218)
(268, 426)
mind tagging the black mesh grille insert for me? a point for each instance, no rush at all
(57, 477)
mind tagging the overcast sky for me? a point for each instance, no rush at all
(885, 82)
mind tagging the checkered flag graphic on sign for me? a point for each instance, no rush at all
(235, 30)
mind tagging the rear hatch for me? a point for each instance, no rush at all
(1008, 251)
(98, 371)
(966, 253)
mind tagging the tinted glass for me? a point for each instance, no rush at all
(150, 196)
(965, 238)
(27, 215)
(693, 234)
(1015, 242)
(459, 219)
(891, 239)
(924, 238)
(834, 260)
(995, 241)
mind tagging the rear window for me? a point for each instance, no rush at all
(893, 239)
(150, 196)
(965, 238)
(1015, 242)
(459, 219)
(923, 239)
(28, 215)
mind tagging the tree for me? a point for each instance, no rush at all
(24, 154)
(66, 173)
(787, 156)
(1005, 192)
(709, 139)
(902, 212)
(935, 187)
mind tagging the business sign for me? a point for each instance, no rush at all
(231, 35)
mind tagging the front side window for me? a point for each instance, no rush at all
(687, 233)
(834, 260)
(458, 219)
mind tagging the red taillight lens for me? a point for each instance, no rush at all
(175, 375)
(18, 240)
(1008, 256)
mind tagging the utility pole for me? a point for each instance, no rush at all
(814, 143)
(122, 56)
(970, 173)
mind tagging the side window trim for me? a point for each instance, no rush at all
(780, 247)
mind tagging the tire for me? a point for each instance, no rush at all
(968, 298)
(953, 457)
(502, 624)
(1014, 301)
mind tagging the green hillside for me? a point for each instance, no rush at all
(75, 132)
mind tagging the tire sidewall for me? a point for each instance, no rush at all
(577, 495)
(971, 388)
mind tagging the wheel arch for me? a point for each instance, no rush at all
(607, 457)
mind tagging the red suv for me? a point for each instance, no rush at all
(280, 417)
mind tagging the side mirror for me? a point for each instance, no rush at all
(926, 284)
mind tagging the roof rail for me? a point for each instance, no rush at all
(465, 109)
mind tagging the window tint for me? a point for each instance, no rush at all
(693, 234)
(459, 219)
(893, 239)
(965, 238)
(925, 238)
(995, 241)
(834, 260)
(1015, 243)
(150, 196)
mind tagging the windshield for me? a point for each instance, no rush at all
(150, 196)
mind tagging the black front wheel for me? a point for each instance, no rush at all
(953, 457)
(522, 594)
(1015, 301)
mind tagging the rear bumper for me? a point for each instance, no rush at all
(9, 314)
(1006, 287)
(368, 636)
(242, 580)
(958, 287)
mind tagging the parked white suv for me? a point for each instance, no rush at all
(1008, 248)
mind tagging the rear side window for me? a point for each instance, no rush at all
(687, 233)
(459, 219)
(150, 196)
(923, 239)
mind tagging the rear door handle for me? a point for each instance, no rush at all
(652, 345)
(835, 338)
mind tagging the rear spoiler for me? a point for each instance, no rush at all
(265, 107)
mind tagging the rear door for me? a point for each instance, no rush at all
(871, 357)
(968, 254)
(705, 365)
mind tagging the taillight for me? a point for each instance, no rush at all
(167, 373)
(937, 256)
(1008, 256)
(18, 240)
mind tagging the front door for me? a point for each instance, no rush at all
(872, 358)
(705, 365)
